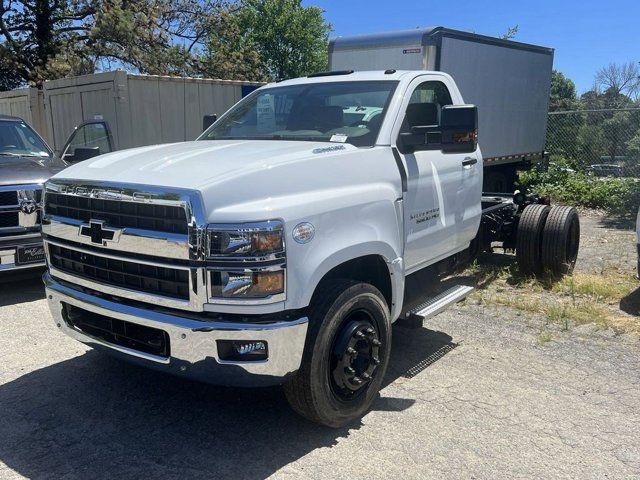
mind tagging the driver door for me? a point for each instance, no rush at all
(88, 140)
(442, 202)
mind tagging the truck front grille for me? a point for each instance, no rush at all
(167, 282)
(12, 221)
(161, 218)
(118, 332)
(8, 198)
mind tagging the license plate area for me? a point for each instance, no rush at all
(29, 254)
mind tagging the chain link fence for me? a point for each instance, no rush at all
(604, 143)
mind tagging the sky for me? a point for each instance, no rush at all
(585, 34)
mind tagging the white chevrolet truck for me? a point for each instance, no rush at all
(281, 246)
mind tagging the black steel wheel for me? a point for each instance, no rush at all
(345, 356)
(561, 240)
(529, 238)
(355, 355)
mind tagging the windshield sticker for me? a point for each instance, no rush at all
(328, 149)
(266, 114)
(339, 137)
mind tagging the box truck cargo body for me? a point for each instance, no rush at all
(508, 81)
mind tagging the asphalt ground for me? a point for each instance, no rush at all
(472, 394)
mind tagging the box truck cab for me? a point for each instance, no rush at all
(281, 246)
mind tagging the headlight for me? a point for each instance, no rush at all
(254, 240)
(246, 261)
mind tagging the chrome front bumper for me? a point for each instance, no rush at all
(193, 347)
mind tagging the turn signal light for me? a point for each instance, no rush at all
(268, 282)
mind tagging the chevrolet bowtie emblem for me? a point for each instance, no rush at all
(99, 233)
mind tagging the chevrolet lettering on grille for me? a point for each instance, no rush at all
(99, 233)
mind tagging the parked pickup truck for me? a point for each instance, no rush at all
(25, 163)
(281, 246)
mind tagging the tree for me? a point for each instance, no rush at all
(618, 130)
(8, 76)
(633, 145)
(229, 53)
(563, 94)
(563, 128)
(619, 79)
(591, 145)
(43, 39)
(510, 33)
(291, 39)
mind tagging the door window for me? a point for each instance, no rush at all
(425, 104)
(90, 136)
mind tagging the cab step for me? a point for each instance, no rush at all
(433, 306)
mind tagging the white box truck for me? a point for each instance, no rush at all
(508, 81)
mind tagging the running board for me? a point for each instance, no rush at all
(433, 306)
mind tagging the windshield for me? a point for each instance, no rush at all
(350, 112)
(17, 139)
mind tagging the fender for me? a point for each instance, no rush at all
(302, 295)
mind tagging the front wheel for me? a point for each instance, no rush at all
(346, 354)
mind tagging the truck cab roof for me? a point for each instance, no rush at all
(371, 75)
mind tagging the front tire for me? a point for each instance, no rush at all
(346, 354)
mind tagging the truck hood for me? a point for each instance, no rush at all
(198, 164)
(28, 170)
(251, 180)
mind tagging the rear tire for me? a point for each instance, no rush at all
(529, 238)
(346, 354)
(561, 240)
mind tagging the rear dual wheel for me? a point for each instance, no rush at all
(346, 354)
(547, 240)
(561, 240)
(529, 238)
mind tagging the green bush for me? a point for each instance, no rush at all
(619, 196)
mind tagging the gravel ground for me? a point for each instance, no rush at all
(606, 244)
(472, 395)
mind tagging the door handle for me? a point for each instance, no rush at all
(468, 161)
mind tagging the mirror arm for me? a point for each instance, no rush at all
(423, 129)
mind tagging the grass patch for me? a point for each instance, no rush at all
(516, 302)
(544, 337)
(573, 300)
(609, 287)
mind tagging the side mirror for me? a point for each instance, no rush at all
(208, 120)
(82, 153)
(459, 127)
